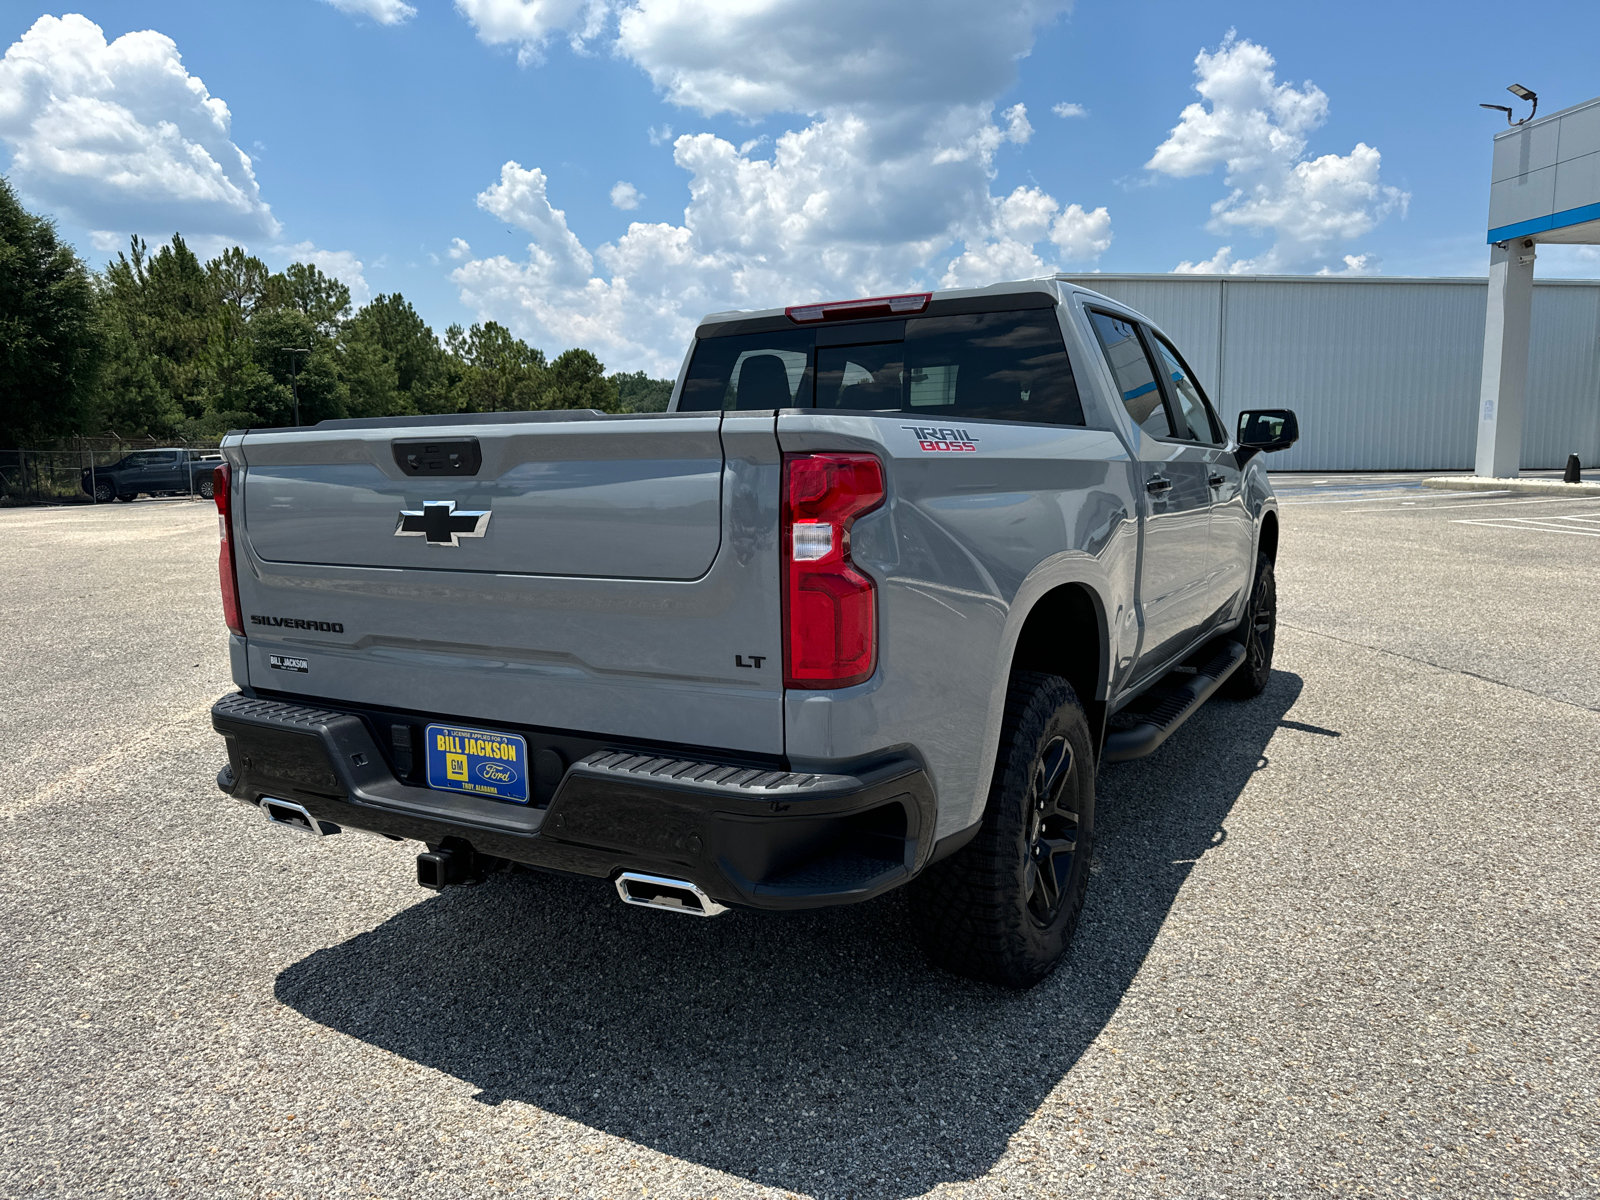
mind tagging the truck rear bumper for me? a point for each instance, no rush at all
(756, 836)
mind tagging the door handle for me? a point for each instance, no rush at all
(1158, 485)
(1217, 480)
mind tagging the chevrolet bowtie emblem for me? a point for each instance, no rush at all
(441, 524)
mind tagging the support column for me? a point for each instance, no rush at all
(1505, 359)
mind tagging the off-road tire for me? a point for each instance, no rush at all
(978, 912)
(1257, 632)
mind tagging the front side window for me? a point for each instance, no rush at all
(1136, 381)
(1189, 404)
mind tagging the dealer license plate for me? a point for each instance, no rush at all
(479, 761)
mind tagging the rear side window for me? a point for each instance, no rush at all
(1136, 381)
(1002, 366)
(758, 370)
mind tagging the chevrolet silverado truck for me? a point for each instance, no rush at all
(166, 471)
(866, 608)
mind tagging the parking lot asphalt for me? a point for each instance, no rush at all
(1340, 939)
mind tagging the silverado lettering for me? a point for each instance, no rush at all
(296, 623)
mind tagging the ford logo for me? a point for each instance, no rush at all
(494, 772)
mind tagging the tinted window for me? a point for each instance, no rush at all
(758, 370)
(1003, 366)
(1189, 405)
(1141, 395)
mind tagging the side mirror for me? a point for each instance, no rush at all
(1267, 429)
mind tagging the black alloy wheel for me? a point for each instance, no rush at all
(104, 493)
(1004, 907)
(1052, 832)
(1257, 633)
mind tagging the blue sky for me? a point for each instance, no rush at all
(846, 147)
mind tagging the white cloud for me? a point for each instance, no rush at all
(760, 56)
(340, 264)
(384, 12)
(121, 136)
(660, 136)
(530, 24)
(1070, 110)
(459, 249)
(625, 196)
(1257, 129)
(892, 173)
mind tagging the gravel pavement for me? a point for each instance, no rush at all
(1341, 939)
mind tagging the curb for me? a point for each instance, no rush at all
(1483, 483)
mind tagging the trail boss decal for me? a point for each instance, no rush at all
(478, 761)
(932, 440)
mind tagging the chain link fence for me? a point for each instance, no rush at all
(69, 471)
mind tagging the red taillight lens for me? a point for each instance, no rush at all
(221, 484)
(830, 619)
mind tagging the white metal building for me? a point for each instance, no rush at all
(1384, 373)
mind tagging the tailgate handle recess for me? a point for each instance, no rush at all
(438, 456)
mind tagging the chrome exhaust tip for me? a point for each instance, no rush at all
(672, 895)
(293, 818)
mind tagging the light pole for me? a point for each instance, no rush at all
(294, 379)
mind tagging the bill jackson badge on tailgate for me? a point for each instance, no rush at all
(477, 761)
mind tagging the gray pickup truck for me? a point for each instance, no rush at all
(867, 607)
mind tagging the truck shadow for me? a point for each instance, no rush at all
(814, 1052)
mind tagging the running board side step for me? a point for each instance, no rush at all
(1160, 711)
(673, 895)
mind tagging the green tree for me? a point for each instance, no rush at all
(323, 394)
(390, 330)
(322, 298)
(161, 320)
(577, 379)
(501, 373)
(639, 393)
(50, 348)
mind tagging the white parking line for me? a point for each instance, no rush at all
(1528, 524)
(1488, 503)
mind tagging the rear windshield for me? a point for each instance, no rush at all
(1004, 366)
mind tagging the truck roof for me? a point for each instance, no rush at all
(1049, 285)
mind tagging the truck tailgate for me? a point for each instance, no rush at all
(603, 574)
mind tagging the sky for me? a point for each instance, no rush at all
(604, 172)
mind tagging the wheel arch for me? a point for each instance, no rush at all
(1065, 634)
(1267, 539)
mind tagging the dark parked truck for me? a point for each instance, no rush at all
(866, 608)
(164, 471)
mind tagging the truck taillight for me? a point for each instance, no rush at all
(221, 491)
(830, 618)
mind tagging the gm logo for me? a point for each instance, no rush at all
(493, 772)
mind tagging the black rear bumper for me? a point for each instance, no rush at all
(758, 836)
